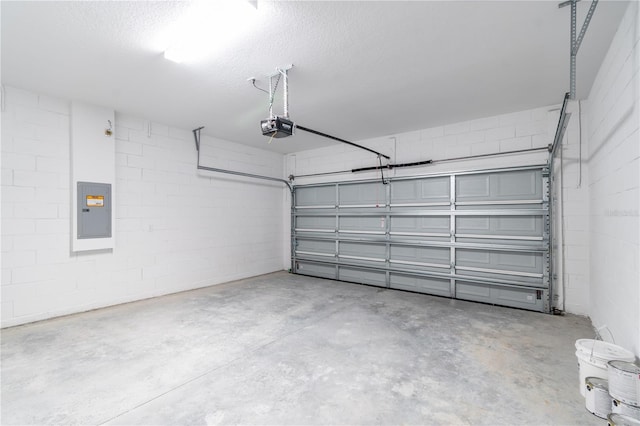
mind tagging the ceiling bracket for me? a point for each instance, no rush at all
(576, 39)
(281, 73)
(196, 136)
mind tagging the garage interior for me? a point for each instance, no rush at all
(315, 212)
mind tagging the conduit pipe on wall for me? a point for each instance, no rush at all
(196, 135)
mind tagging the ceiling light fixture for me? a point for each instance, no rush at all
(205, 26)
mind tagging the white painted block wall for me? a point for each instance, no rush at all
(508, 132)
(612, 123)
(498, 134)
(176, 228)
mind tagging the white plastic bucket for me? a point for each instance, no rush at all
(597, 400)
(624, 382)
(616, 419)
(625, 409)
(593, 356)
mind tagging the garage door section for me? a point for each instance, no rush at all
(481, 236)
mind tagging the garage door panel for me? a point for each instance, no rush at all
(510, 296)
(472, 187)
(472, 257)
(499, 277)
(436, 255)
(417, 224)
(442, 207)
(500, 225)
(534, 243)
(362, 194)
(362, 276)
(529, 261)
(413, 267)
(420, 191)
(316, 196)
(365, 251)
(516, 185)
(499, 260)
(315, 222)
(312, 246)
(498, 205)
(473, 224)
(473, 291)
(524, 298)
(488, 241)
(440, 287)
(357, 224)
(316, 270)
(523, 225)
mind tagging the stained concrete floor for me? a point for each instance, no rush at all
(285, 349)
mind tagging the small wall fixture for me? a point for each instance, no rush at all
(109, 130)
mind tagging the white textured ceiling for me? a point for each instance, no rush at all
(361, 69)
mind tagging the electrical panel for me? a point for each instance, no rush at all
(94, 210)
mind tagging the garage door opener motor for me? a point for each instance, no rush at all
(278, 126)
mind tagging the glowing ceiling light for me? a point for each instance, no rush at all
(206, 26)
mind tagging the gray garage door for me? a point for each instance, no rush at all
(481, 236)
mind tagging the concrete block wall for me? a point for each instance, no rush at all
(612, 124)
(519, 130)
(176, 228)
(507, 132)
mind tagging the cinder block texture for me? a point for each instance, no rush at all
(176, 229)
(612, 120)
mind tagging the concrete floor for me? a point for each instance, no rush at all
(285, 349)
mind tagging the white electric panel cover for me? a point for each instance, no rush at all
(93, 156)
